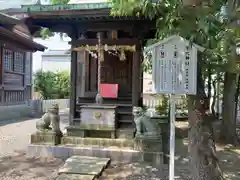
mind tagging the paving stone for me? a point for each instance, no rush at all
(75, 177)
(78, 168)
(84, 165)
(88, 160)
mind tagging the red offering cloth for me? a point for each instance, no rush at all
(109, 90)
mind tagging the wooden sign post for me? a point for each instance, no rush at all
(174, 67)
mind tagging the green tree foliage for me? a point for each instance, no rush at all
(63, 84)
(46, 33)
(52, 85)
(162, 108)
(205, 25)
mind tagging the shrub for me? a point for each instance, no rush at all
(52, 85)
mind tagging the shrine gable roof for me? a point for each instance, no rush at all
(68, 11)
(79, 12)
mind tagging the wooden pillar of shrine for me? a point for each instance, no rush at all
(136, 76)
(73, 94)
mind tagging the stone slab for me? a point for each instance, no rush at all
(75, 177)
(81, 168)
(84, 165)
(88, 160)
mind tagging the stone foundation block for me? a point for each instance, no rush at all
(148, 144)
(119, 155)
(48, 138)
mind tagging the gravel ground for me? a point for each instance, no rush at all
(19, 167)
(137, 171)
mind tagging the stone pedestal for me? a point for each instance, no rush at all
(148, 144)
(46, 137)
(96, 121)
(164, 124)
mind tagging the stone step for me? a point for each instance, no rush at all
(98, 142)
(82, 167)
(125, 133)
(115, 154)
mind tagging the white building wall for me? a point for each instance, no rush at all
(147, 83)
(56, 64)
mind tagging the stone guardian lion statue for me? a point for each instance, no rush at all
(50, 118)
(145, 126)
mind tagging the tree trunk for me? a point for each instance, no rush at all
(236, 97)
(214, 98)
(204, 163)
(209, 83)
(228, 129)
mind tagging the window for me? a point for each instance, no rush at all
(13, 61)
(8, 59)
(18, 62)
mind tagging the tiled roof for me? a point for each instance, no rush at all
(6, 19)
(29, 44)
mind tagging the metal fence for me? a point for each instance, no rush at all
(149, 101)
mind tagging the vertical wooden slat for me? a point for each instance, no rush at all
(80, 74)
(2, 74)
(141, 80)
(73, 97)
(87, 71)
(93, 74)
(24, 69)
(1, 64)
(136, 77)
(24, 77)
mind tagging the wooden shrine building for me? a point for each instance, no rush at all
(16, 46)
(121, 40)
